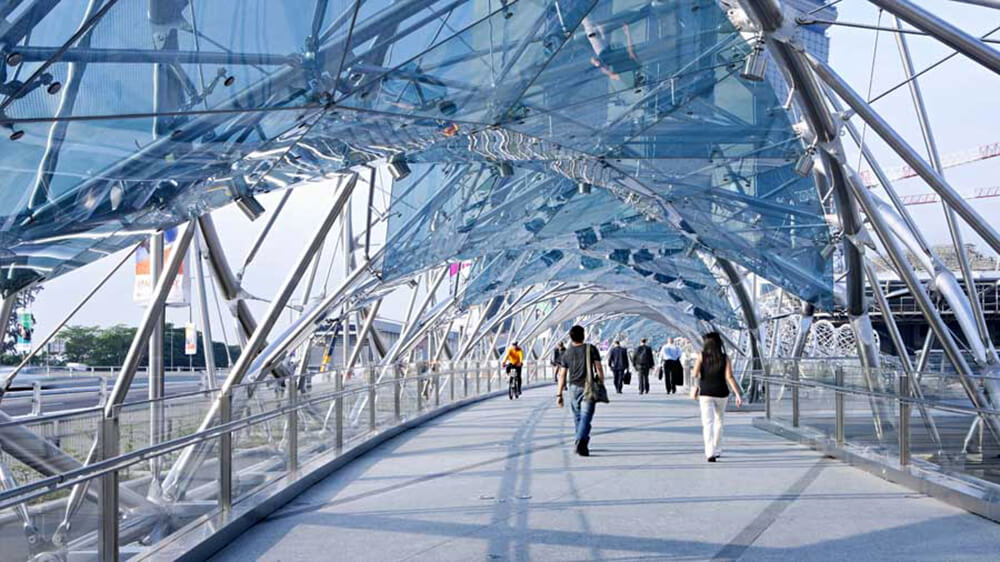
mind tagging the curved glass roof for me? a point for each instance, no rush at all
(125, 117)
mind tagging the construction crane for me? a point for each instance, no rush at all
(978, 154)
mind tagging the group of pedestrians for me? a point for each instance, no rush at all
(579, 370)
(670, 369)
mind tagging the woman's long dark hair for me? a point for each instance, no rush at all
(713, 353)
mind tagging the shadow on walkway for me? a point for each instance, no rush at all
(498, 481)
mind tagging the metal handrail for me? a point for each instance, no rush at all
(101, 468)
(44, 486)
(859, 391)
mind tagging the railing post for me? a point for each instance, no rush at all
(36, 398)
(451, 382)
(420, 391)
(397, 391)
(225, 455)
(838, 404)
(478, 377)
(371, 398)
(767, 397)
(437, 388)
(489, 377)
(903, 429)
(108, 526)
(795, 394)
(338, 406)
(465, 379)
(293, 424)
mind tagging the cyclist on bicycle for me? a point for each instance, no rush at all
(513, 361)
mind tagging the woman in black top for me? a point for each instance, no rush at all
(713, 374)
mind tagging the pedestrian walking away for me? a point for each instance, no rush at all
(556, 354)
(618, 361)
(643, 361)
(713, 380)
(670, 363)
(573, 374)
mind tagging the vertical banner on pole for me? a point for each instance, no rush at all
(142, 289)
(25, 329)
(190, 339)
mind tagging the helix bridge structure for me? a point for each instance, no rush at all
(508, 168)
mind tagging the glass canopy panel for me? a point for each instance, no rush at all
(161, 184)
(649, 87)
(630, 329)
(173, 56)
(462, 220)
(476, 75)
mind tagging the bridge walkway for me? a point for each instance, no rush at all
(498, 481)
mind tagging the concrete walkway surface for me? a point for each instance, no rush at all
(498, 481)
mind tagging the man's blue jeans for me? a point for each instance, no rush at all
(583, 412)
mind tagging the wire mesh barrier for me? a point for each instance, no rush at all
(921, 425)
(100, 484)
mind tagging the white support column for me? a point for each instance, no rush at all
(365, 331)
(898, 257)
(176, 481)
(953, 227)
(907, 153)
(206, 322)
(152, 315)
(126, 374)
(902, 353)
(156, 381)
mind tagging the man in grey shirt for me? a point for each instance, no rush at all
(573, 370)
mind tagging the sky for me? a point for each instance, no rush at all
(960, 96)
(961, 99)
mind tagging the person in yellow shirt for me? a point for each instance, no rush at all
(513, 361)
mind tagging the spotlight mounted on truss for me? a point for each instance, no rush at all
(397, 167)
(756, 61)
(804, 165)
(504, 169)
(584, 188)
(250, 206)
(115, 195)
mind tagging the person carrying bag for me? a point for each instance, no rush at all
(618, 361)
(595, 391)
(580, 369)
(643, 363)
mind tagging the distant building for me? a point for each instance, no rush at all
(56, 347)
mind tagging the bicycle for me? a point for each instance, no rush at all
(512, 389)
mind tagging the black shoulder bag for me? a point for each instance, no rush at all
(594, 389)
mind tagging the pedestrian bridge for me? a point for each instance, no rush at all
(436, 462)
(497, 480)
(641, 168)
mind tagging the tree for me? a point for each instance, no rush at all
(112, 346)
(107, 347)
(80, 341)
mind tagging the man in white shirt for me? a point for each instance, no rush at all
(670, 363)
